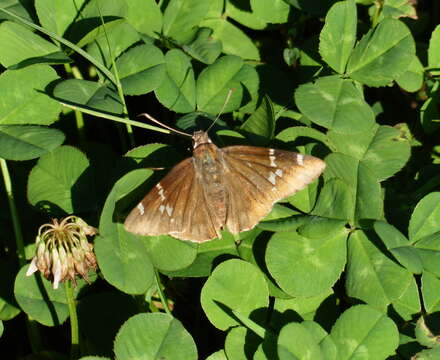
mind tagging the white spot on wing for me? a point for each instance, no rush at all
(160, 189)
(141, 208)
(169, 210)
(272, 160)
(300, 159)
(161, 208)
(279, 172)
(271, 152)
(272, 178)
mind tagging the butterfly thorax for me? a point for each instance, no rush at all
(209, 168)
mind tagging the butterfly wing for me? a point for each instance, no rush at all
(261, 177)
(175, 206)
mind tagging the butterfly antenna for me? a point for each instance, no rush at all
(149, 117)
(222, 109)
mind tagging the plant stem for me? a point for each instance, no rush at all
(74, 71)
(161, 294)
(114, 118)
(31, 325)
(74, 352)
(14, 213)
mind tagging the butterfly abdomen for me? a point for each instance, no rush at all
(208, 163)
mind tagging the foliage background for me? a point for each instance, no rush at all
(348, 267)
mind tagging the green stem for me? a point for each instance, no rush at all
(378, 8)
(115, 118)
(14, 213)
(74, 335)
(161, 294)
(31, 326)
(119, 87)
(74, 71)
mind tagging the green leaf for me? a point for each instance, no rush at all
(141, 69)
(223, 292)
(276, 11)
(207, 253)
(373, 277)
(425, 219)
(359, 196)
(296, 341)
(25, 142)
(57, 15)
(338, 35)
(24, 100)
(150, 23)
(431, 292)
(252, 248)
(279, 212)
(428, 248)
(62, 182)
(122, 257)
(182, 16)
(85, 32)
(381, 149)
(241, 343)
(241, 12)
(327, 345)
(292, 133)
(306, 258)
(399, 246)
(434, 52)
(39, 300)
(154, 336)
(429, 112)
(398, 9)
(20, 44)
(335, 201)
(383, 54)
(177, 91)
(260, 125)
(90, 94)
(412, 79)
(98, 8)
(113, 42)
(234, 40)
(429, 354)
(218, 355)
(169, 254)
(363, 332)
(335, 104)
(204, 47)
(424, 335)
(306, 307)
(215, 81)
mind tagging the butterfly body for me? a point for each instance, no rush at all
(218, 188)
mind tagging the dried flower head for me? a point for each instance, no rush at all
(62, 250)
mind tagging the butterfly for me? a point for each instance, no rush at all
(217, 188)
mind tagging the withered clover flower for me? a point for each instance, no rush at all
(62, 250)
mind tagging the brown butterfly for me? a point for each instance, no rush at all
(217, 188)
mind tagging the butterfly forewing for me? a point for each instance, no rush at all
(262, 177)
(174, 206)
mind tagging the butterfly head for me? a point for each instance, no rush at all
(199, 138)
